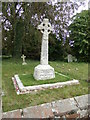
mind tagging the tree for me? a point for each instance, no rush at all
(9, 26)
(33, 13)
(79, 33)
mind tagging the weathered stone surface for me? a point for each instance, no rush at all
(41, 111)
(12, 114)
(63, 106)
(82, 101)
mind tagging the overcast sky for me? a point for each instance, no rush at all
(80, 8)
(83, 7)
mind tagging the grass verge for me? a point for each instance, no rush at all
(12, 101)
(28, 80)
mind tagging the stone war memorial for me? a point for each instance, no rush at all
(44, 60)
(44, 71)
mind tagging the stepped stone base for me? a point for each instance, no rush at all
(67, 109)
(44, 72)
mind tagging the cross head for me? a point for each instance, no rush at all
(45, 27)
(23, 57)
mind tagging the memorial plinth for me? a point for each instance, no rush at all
(44, 71)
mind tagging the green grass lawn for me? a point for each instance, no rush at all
(28, 80)
(12, 101)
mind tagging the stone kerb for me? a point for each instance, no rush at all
(27, 89)
(54, 110)
(53, 85)
(19, 83)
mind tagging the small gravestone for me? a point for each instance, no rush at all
(44, 71)
(23, 57)
(74, 59)
(3, 94)
(70, 59)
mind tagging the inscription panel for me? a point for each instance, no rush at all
(43, 72)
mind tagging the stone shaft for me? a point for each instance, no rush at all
(44, 50)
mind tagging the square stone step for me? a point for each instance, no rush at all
(12, 114)
(41, 111)
(82, 101)
(64, 106)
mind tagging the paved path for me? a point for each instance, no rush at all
(77, 107)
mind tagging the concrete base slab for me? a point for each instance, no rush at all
(44, 72)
